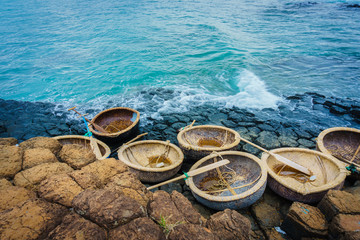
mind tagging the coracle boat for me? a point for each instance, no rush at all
(200, 141)
(120, 124)
(326, 174)
(235, 185)
(85, 142)
(152, 160)
(342, 143)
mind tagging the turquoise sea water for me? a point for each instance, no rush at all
(222, 52)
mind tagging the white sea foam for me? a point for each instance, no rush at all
(249, 91)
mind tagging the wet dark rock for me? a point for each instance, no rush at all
(178, 125)
(287, 142)
(353, 5)
(160, 127)
(268, 140)
(265, 127)
(253, 150)
(303, 134)
(183, 118)
(228, 123)
(169, 120)
(355, 112)
(218, 117)
(306, 143)
(337, 110)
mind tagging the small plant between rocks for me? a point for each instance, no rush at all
(168, 227)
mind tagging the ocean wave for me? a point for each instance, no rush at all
(245, 90)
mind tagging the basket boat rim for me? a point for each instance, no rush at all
(124, 147)
(188, 146)
(320, 138)
(260, 182)
(105, 146)
(116, 134)
(342, 172)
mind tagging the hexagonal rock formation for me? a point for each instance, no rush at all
(33, 219)
(229, 224)
(336, 201)
(162, 208)
(10, 161)
(266, 215)
(345, 226)
(128, 184)
(139, 229)
(42, 142)
(185, 207)
(60, 188)
(8, 141)
(76, 155)
(74, 226)
(86, 180)
(4, 183)
(13, 195)
(36, 156)
(106, 208)
(31, 178)
(188, 231)
(303, 221)
(104, 169)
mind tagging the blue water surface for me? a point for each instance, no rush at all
(223, 52)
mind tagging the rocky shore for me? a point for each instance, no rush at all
(84, 197)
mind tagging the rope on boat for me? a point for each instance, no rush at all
(223, 180)
(227, 179)
(165, 153)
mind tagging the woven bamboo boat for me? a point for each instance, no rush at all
(120, 123)
(295, 186)
(84, 141)
(245, 174)
(341, 143)
(199, 141)
(152, 160)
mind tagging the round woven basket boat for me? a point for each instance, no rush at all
(199, 141)
(340, 142)
(121, 123)
(84, 141)
(248, 181)
(152, 160)
(293, 185)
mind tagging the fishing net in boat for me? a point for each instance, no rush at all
(227, 179)
(346, 152)
(117, 126)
